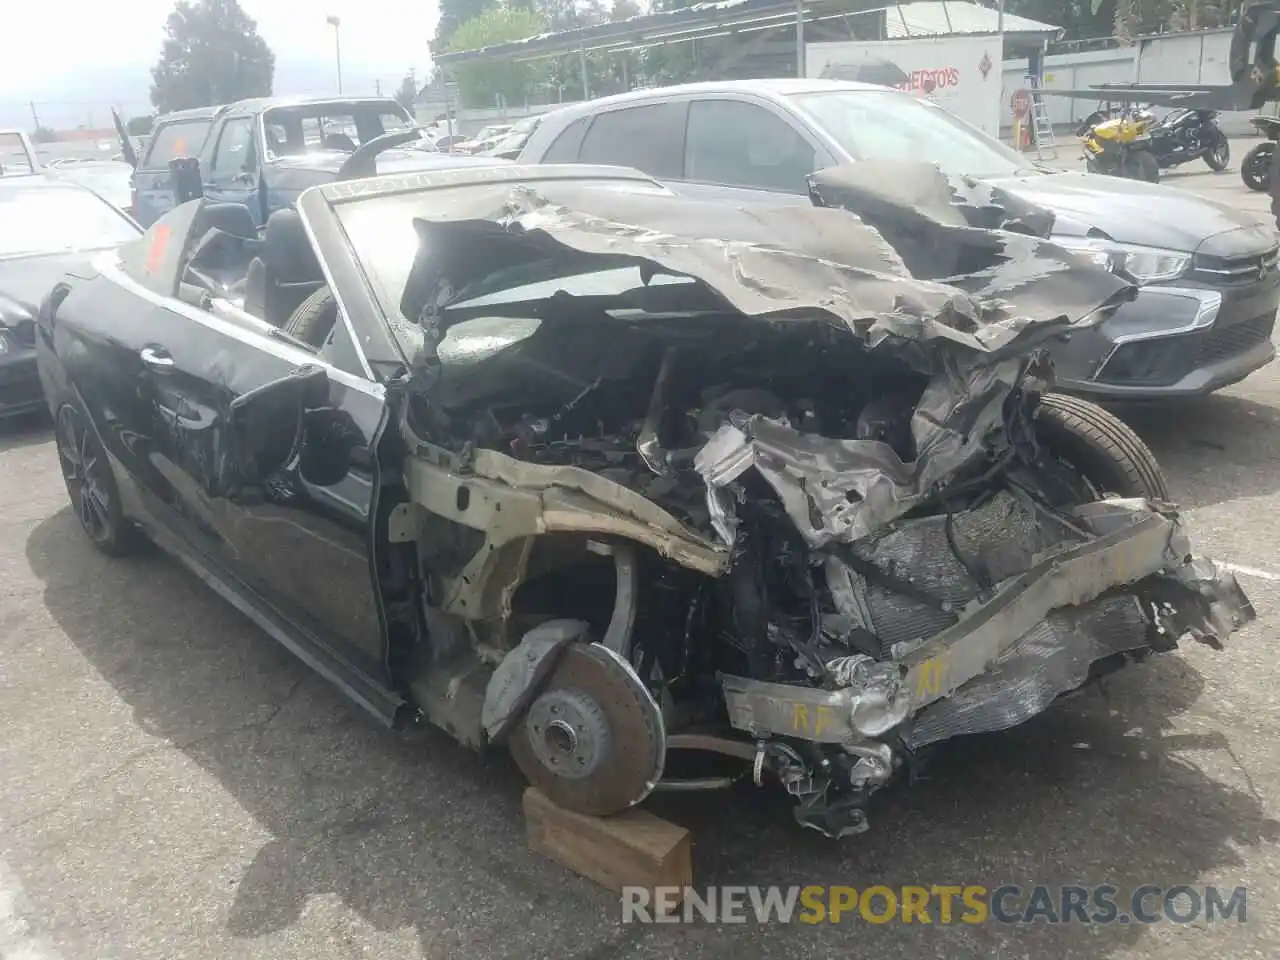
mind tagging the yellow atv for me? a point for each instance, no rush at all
(1119, 146)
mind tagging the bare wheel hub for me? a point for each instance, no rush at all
(568, 733)
(593, 740)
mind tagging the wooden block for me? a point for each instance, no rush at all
(631, 849)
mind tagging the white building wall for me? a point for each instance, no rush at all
(1178, 58)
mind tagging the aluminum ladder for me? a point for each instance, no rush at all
(1041, 127)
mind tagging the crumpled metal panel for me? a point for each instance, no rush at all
(1051, 659)
(780, 262)
(844, 490)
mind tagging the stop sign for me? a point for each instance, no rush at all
(1021, 103)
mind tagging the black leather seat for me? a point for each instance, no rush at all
(226, 239)
(285, 274)
(232, 218)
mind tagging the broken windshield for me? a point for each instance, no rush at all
(385, 241)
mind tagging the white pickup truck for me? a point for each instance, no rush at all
(17, 155)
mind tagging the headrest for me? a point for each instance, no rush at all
(287, 251)
(232, 218)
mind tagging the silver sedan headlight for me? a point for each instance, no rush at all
(1143, 264)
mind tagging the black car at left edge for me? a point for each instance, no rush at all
(47, 228)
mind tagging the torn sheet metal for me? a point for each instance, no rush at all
(843, 490)
(954, 230)
(778, 262)
(887, 194)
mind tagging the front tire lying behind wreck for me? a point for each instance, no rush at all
(1102, 447)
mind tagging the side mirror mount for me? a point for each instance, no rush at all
(265, 424)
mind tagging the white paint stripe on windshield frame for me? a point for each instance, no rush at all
(109, 265)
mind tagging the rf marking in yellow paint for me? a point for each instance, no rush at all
(811, 723)
(929, 679)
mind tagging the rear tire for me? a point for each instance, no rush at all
(1219, 156)
(1101, 446)
(314, 319)
(91, 487)
(1255, 169)
(1142, 165)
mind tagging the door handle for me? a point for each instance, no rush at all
(156, 357)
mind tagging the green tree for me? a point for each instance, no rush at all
(140, 126)
(672, 62)
(513, 81)
(212, 54)
(44, 135)
(453, 14)
(407, 92)
(1079, 19)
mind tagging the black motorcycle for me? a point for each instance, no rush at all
(1255, 169)
(1184, 134)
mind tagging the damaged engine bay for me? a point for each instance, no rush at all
(796, 494)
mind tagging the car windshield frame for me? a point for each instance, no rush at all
(305, 125)
(56, 227)
(378, 236)
(931, 132)
(13, 145)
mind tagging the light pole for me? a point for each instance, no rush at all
(336, 23)
(444, 78)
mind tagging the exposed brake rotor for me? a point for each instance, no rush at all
(593, 740)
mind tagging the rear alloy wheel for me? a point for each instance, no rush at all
(1142, 165)
(1100, 446)
(90, 485)
(1255, 169)
(1219, 156)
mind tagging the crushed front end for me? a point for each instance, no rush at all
(791, 494)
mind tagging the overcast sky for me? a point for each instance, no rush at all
(77, 58)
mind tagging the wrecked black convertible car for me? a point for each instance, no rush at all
(633, 484)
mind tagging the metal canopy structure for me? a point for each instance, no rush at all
(819, 19)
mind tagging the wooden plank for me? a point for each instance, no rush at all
(631, 849)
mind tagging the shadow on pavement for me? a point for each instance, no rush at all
(421, 833)
(1213, 449)
(25, 431)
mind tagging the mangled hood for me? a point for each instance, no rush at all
(994, 293)
(966, 305)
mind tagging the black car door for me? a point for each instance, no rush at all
(101, 333)
(295, 540)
